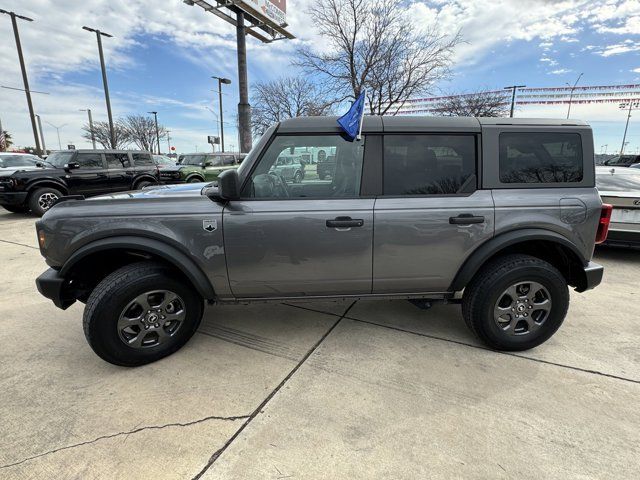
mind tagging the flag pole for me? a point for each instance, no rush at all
(359, 137)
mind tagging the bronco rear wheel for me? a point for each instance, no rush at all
(516, 302)
(139, 314)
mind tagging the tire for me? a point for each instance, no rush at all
(322, 176)
(42, 199)
(114, 303)
(195, 180)
(297, 178)
(505, 307)
(16, 208)
(143, 183)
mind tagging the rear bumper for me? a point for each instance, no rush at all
(593, 275)
(51, 285)
(625, 238)
(13, 198)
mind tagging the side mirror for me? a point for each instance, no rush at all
(72, 166)
(40, 164)
(606, 162)
(208, 163)
(228, 185)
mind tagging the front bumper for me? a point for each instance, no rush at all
(13, 198)
(593, 276)
(51, 285)
(171, 181)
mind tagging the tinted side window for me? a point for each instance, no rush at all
(540, 158)
(277, 175)
(89, 160)
(117, 160)
(428, 164)
(142, 159)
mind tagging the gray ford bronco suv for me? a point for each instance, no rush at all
(500, 215)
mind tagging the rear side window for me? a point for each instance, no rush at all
(428, 164)
(142, 159)
(540, 158)
(89, 160)
(117, 160)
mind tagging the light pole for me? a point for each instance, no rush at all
(58, 131)
(155, 114)
(632, 105)
(25, 80)
(44, 148)
(605, 146)
(226, 81)
(571, 94)
(99, 36)
(93, 134)
(168, 141)
(513, 89)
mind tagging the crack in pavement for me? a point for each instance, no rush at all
(127, 433)
(20, 244)
(479, 347)
(264, 403)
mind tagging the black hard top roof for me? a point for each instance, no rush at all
(377, 124)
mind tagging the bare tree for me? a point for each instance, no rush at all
(284, 98)
(478, 104)
(5, 140)
(103, 137)
(371, 44)
(142, 131)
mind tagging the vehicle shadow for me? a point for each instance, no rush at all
(617, 254)
(6, 216)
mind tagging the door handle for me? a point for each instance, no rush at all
(102, 175)
(345, 222)
(466, 219)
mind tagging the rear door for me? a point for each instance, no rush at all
(431, 215)
(312, 238)
(120, 171)
(91, 178)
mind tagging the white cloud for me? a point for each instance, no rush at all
(560, 71)
(619, 48)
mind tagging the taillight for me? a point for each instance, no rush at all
(603, 224)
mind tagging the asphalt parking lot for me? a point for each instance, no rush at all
(375, 389)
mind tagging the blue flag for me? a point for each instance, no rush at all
(350, 121)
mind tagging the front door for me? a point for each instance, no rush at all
(430, 217)
(91, 178)
(312, 238)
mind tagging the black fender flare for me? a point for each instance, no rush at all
(47, 182)
(192, 175)
(145, 178)
(474, 262)
(159, 248)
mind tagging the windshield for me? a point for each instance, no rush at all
(611, 182)
(193, 159)
(162, 160)
(18, 161)
(257, 148)
(59, 159)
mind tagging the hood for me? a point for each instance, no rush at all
(163, 200)
(6, 171)
(156, 191)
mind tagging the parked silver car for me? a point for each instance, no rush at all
(620, 187)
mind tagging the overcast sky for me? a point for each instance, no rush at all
(161, 58)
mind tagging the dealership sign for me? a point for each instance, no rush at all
(271, 12)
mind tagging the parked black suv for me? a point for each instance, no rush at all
(77, 172)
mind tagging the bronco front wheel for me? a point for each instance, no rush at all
(139, 314)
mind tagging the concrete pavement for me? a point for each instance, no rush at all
(319, 390)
